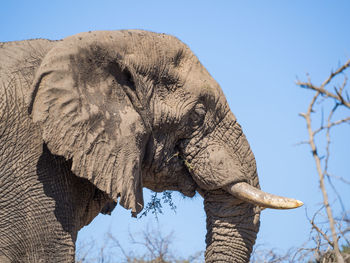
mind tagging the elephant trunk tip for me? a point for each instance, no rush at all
(250, 194)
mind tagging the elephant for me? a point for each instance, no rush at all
(88, 121)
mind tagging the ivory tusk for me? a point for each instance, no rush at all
(248, 193)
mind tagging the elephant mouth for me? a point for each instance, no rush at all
(177, 174)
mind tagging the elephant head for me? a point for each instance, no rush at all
(134, 109)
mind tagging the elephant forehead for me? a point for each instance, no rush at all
(130, 41)
(150, 48)
(150, 54)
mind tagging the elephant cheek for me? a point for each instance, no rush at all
(175, 178)
(215, 167)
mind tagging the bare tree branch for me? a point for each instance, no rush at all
(314, 226)
(321, 179)
(338, 93)
(340, 100)
(338, 71)
(332, 124)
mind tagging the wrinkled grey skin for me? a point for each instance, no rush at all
(92, 119)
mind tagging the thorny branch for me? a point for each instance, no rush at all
(340, 98)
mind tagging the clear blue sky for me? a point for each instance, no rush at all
(255, 51)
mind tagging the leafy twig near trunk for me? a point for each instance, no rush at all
(155, 205)
(339, 95)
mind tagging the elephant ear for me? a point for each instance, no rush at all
(82, 99)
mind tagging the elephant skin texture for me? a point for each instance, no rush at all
(88, 121)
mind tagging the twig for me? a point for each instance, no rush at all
(338, 178)
(332, 124)
(323, 234)
(322, 90)
(338, 71)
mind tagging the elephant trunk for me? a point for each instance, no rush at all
(231, 228)
(232, 223)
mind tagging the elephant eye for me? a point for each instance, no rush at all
(197, 116)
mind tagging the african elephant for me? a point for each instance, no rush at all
(88, 121)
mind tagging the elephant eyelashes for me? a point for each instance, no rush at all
(197, 117)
